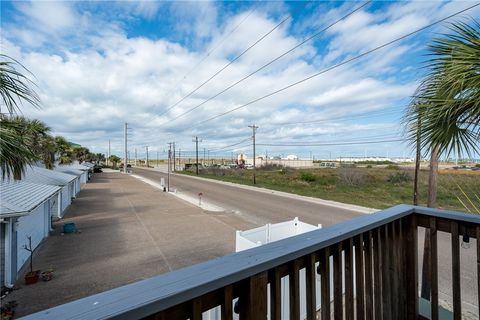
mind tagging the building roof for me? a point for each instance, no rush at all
(75, 166)
(69, 170)
(45, 176)
(17, 197)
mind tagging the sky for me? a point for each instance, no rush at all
(170, 70)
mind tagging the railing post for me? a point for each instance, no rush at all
(433, 269)
(253, 300)
(411, 273)
(457, 301)
(359, 278)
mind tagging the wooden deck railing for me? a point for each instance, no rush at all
(374, 275)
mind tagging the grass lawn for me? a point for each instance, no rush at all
(369, 187)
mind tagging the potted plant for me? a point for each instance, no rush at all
(32, 276)
(47, 275)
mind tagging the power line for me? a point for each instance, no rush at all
(231, 145)
(336, 65)
(271, 62)
(329, 144)
(285, 19)
(363, 115)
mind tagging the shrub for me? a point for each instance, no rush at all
(399, 177)
(307, 177)
(392, 167)
(369, 166)
(477, 165)
(271, 167)
(351, 176)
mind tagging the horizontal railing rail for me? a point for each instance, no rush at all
(368, 265)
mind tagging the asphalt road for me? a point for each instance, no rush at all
(256, 207)
(260, 208)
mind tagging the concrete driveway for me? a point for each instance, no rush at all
(129, 231)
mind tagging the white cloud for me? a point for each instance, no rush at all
(90, 90)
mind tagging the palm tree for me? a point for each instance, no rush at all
(447, 105)
(15, 155)
(64, 150)
(15, 88)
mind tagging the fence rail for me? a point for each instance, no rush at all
(374, 275)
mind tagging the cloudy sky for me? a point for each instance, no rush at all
(170, 69)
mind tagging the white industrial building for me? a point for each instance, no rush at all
(25, 211)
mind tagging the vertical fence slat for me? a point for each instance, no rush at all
(377, 269)
(402, 288)
(394, 269)
(349, 296)
(310, 278)
(368, 276)
(359, 278)
(337, 283)
(276, 294)
(227, 312)
(477, 240)
(433, 269)
(457, 302)
(411, 253)
(386, 249)
(197, 309)
(325, 283)
(294, 290)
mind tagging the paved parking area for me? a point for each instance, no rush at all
(129, 231)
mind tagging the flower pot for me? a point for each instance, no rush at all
(32, 277)
(47, 275)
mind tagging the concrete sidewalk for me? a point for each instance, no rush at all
(129, 231)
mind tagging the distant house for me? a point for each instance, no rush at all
(83, 170)
(70, 185)
(25, 211)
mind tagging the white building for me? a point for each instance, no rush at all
(25, 211)
(76, 169)
(69, 183)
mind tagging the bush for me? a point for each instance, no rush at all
(307, 177)
(392, 167)
(369, 166)
(399, 177)
(477, 165)
(271, 167)
(351, 176)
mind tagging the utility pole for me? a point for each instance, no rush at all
(204, 156)
(126, 155)
(180, 159)
(157, 159)
(174, 166)
(254, 129)
(196, 151)
(146, 148)
(109, 154)
(168, 170)
(135, 157)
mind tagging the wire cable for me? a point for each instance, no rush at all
(328, 144)
(269, 63)
(285, 19)
(336, 66)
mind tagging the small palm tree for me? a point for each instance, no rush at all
(445, 114)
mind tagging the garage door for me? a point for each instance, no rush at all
(34, 225)
(66, 198)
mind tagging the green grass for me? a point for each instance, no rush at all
(369, 187)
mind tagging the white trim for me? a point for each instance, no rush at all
(7, 279)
